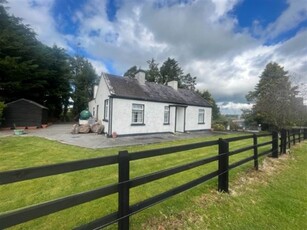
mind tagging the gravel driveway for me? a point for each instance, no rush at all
(61, 133)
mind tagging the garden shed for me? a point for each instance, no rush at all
(25, 113)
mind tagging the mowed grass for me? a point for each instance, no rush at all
(22, 152)
(272, 198)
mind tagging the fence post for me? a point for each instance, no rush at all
(255, 151)
(293, 136)
(305, 133)
(223, 166)
(299, 135)
(123, 190)
(275, 144)
(283, 141)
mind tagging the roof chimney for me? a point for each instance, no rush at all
(140, 77)
(173, 84)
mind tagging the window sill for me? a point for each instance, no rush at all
(138, 124)
(165, 123)
(201, 123)
(106, 120)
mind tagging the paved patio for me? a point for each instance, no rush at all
(61, 133)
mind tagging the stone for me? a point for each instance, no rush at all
(97, 128)
(75, 129)
(84, 128)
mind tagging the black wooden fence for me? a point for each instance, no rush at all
(122, 188)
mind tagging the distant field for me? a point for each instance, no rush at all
(21, 152)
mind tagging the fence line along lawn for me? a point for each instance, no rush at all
(272, 198)
(21, 152)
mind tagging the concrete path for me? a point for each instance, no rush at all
(61, 133)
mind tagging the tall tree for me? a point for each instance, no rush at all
(59, 78)
(18, 59)
(153, 73)
(1, 110)
(215, 109)
(273, 97)
(188, 82)
(30, 69)
(131, 72)
(170, 71)
(84, 79)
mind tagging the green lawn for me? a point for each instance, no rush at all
(21, 152)
(272, 198)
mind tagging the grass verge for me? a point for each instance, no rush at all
(272, 198)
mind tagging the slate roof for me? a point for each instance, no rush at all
(124, 87)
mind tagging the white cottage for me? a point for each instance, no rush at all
(129, 106)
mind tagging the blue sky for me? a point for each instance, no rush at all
(225, 43)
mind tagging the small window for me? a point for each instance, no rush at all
(166, 115)
(106, 109)
(137, 114)
(201, 116)
(93, 111)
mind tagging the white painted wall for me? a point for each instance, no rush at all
(153, 117)
(192, 118)
(102, 94)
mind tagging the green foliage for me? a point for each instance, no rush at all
(47, 75)
(218, 127)
(84, 78)
(153, 72)
(250, 119)
(30, 69)
(2, 106)
(215, 109)
(274, 98)
(131, 72)
(169, 71)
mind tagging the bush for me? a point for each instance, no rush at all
(218, 127)
(1, 108)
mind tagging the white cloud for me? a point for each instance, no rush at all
(289, 19)
(98, 66)
(233, 108)
(37, 14)
(201, 35)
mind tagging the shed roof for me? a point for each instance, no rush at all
(29, 101)
(124, 87)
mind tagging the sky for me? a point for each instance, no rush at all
(226, 44)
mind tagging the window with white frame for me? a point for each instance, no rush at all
(201, 116)
(137, 114)
(166, 114)
(106, 109)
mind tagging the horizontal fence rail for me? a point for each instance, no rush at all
(42, 171)
(287, 138)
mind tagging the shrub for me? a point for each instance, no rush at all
(218, 127)
(1, 108)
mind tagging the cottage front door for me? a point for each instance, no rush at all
(180, 119)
